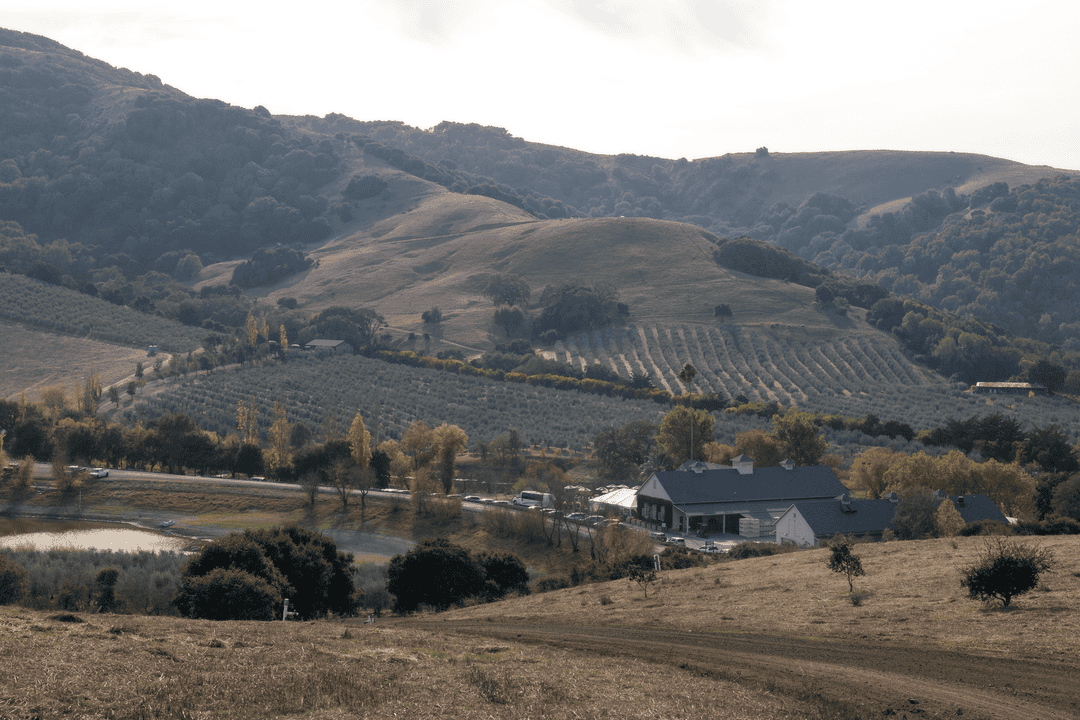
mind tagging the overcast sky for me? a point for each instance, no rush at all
(670, 78)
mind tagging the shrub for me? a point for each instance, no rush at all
(986, 527)
(14, 581)
(843, 560)
(228, 594)
(1004, 570)
(552, 583)
(436, 573)
(294, 562)
(751, 549)
(104, 590)
(677, 558)
(505, 573)
(1049, 526)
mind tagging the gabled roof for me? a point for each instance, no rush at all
(728, 485)
(831, 517)
(974, 508)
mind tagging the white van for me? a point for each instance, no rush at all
(533, 498)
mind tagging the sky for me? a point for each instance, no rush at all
(667, 78)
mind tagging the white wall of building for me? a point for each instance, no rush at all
(792, 527)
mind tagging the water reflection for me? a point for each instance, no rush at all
(78, 535)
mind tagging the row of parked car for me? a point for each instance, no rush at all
(708, 547)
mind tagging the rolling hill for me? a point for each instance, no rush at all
(146, 185)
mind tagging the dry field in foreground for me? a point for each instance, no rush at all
(111, 666)
(134, 667)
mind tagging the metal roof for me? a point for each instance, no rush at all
(623, 497)
(831, 517)
(729, 485)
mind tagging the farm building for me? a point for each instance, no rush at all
(738, 499)
(808, 522)
(1009, 388)
(973, 508)
(338, 347)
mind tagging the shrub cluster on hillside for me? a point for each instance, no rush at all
(268, 266)
(438, 574)
(246, 576)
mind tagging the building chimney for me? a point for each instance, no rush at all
(787, 464)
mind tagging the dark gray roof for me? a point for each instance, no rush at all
(830, 517)
(977, 507)
(730, 485)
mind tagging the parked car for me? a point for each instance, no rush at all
(658, 536)
(471, 498)
(678, 541)
(575, 517)
(99, 473)
(594, 520)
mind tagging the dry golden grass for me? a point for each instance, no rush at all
(134, 667)
(427, 247)
(912, 594)
(32, 360)
(137, 667)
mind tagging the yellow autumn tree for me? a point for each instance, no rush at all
(947, 519)
(868, 470)
(360, 442)
(280, 453)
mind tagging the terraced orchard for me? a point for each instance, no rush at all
(754, 361)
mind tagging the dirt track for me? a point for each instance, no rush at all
(890, 680)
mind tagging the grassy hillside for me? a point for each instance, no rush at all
(423, 246)
(475, 662)
(32, 360)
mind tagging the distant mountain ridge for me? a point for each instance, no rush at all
(114, 183)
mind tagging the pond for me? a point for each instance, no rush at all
(82, 535)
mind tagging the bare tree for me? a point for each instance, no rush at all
(343, 478)
(309, 481)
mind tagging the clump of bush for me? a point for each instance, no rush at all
(1006, 569)
(440, 574)
(1047, 526)
(752, 549)
(246, 576)
(13, 581)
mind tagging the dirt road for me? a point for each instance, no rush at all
(886, 680)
